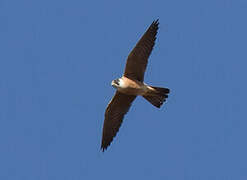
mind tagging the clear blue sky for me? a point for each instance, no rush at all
(58, 58)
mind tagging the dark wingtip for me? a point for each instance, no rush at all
(156, 22)
(103, 148)
(155, 25)
(105, 145)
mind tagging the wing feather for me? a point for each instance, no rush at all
(138, 58)
(114, 114)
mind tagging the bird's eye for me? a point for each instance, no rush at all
(117, 81)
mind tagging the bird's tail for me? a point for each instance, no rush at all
(156, 95)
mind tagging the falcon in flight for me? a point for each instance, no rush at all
(131, 85)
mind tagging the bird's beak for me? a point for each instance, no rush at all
(112, 83)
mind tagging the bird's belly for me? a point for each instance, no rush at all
(132, 91)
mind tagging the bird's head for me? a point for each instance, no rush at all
(115, 83)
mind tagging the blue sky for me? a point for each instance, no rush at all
(57, 61)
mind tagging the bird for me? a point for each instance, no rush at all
(131, 85)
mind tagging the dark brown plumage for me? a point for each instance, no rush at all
(132, 83)
(114, 114)
(138, 58)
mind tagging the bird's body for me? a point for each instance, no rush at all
(131, 85)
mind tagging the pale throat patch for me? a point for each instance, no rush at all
(121, 83)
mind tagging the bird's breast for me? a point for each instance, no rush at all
(132, 87)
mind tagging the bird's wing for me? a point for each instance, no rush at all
(114, 114)
(138, 58)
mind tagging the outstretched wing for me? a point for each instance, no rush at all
(114, 114)
(138, 58)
